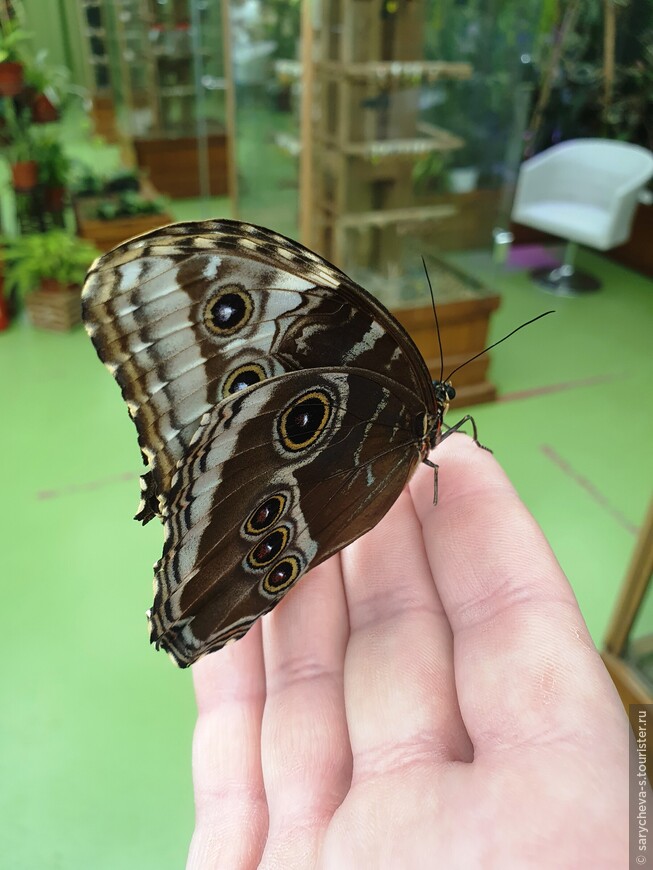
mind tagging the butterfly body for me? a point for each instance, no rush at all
(280, 407)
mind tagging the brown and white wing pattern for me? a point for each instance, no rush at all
(280, 407)
(194, 312)
(277, 479)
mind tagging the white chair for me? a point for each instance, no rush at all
(585, 190)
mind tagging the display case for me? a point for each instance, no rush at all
(94, 23)
(412, 132)
(165, 64)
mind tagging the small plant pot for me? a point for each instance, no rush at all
(24, 174)
(464, 179)
(43, 112)
(11, 78)
(51, 285)
(53, 198)
(58, 310)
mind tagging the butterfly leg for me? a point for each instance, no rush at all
(457, 426)
(435, 478)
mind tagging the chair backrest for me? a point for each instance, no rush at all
(590, 171)
(600, 173)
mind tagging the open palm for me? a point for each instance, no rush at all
(429, 697)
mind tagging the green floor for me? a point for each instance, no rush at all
(95, 727)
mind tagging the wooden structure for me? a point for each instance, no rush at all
(363, 76)
(366, 71)
(623, 653)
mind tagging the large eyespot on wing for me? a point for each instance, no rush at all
(304, 420)
(279, 477)
(243, 376)
(281, 577)
(228, 310)
(265, 514)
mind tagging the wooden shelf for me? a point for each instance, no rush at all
(366, 219)
(401, 148)
(383, 72)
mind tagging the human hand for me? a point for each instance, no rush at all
(429, 697)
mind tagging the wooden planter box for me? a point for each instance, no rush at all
(470, 226)
(105, 235)
(56, 310)
(464, 310)
(172, 165)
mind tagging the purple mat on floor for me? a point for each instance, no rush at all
(532, 257)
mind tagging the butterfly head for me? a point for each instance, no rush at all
(444, 394)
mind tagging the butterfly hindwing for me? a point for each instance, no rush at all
(277, 479)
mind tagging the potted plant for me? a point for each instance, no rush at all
(20, 146)
(47, 270)
(109, 220)
(123, 180)
(47, 87)
(85, 182)
(130, 204)
(429, 172)
(53, 171)
(12, 37)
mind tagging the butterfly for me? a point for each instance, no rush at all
(280, 410)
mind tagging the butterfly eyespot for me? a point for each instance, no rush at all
(267, 550)
(266, 514)
(228, 310)
(302, 423)
(242, 377)
(281, 576)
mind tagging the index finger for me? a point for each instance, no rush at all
(525, 666)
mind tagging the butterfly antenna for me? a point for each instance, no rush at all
(476, 356)
(435, 315)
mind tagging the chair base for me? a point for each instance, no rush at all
(565, 281)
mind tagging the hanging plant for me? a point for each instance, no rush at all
(12, 39)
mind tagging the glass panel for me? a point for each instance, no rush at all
(264, 41)
(167, 69)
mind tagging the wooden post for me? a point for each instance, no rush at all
(609, 38)
(306, 177)
(230, 106)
